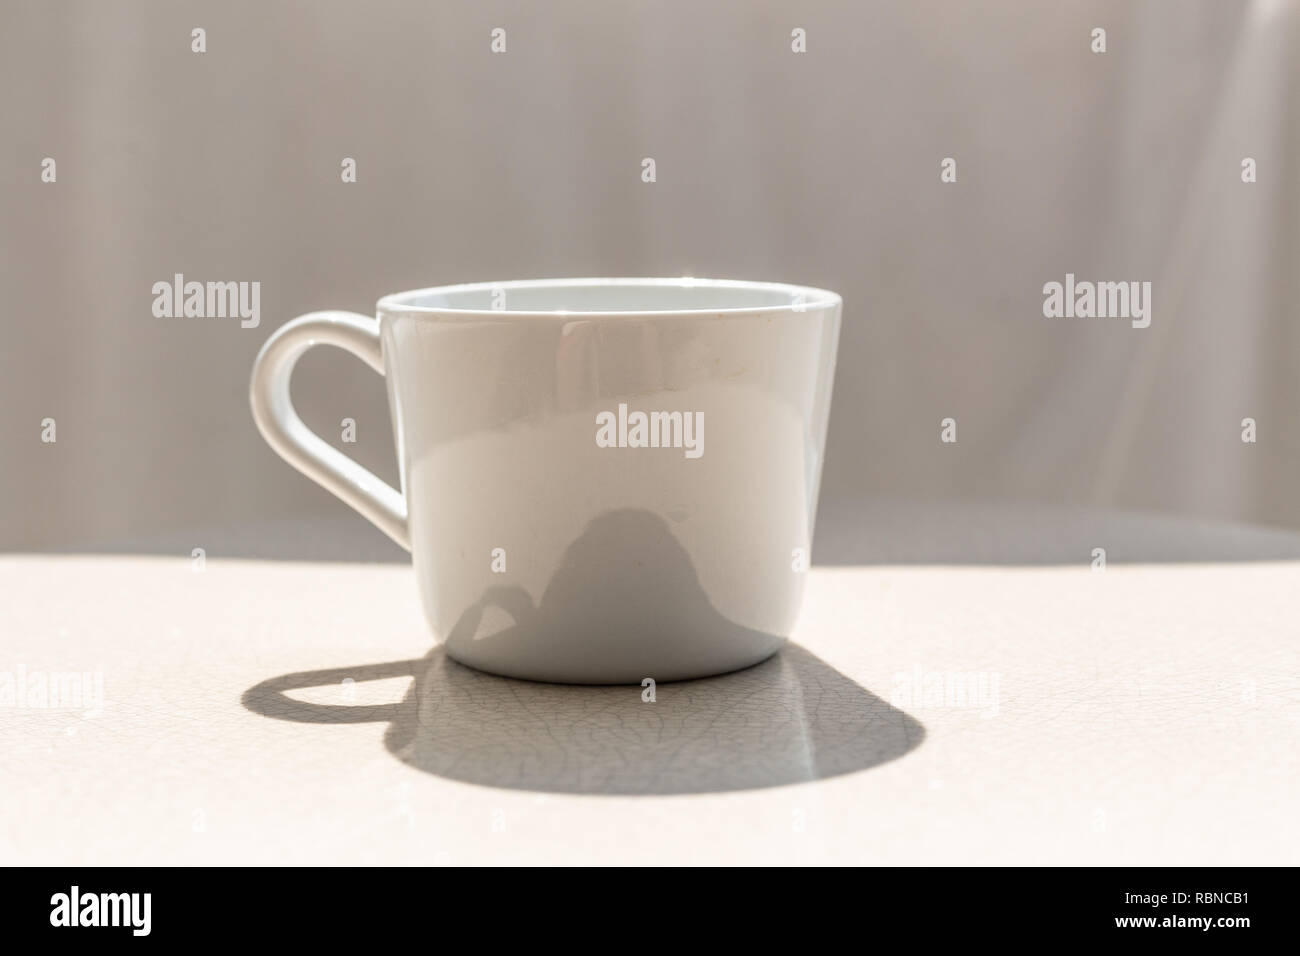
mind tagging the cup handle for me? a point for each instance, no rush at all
(285, 432)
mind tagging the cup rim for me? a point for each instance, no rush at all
(813, 299)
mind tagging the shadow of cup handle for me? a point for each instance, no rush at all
(270, 697)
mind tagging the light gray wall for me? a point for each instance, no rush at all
(820, 168)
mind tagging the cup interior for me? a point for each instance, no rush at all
(612, 296)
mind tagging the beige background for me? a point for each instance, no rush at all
(295, 712)
(819, 168)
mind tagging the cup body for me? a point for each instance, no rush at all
(610, 480)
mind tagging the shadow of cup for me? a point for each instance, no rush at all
(790, 719)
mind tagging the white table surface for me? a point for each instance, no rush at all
(1147, 714)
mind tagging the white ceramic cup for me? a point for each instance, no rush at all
(602, 480)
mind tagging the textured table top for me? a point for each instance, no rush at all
(294, 712)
